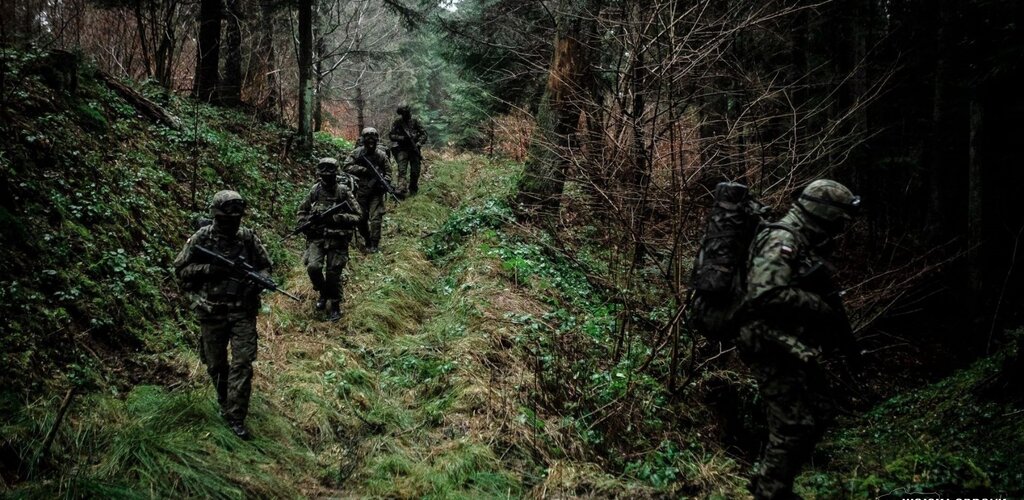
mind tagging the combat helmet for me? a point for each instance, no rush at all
(370, 132)
(829, 201)
(227, 203)
(327, 165)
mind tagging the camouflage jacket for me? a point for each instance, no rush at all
(212, 289)
(320, 199)
(368, 182)
(791, 292)
(407, 135)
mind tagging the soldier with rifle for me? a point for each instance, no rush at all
(372, 170)
(223, 268)
(327, 217)
(407, 138)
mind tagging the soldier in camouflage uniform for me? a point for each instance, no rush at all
(370, 191)
(793, 320)
(407, 138)
(327, 249)
(226, 306)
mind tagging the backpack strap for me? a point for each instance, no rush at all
(786, 227)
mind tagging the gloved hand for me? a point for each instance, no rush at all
(355, 169)
(215, 271)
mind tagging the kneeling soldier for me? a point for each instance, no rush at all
(226, 303)
(329, 235)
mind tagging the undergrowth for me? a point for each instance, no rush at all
(959, 436)
(96, 201)
(477, 357)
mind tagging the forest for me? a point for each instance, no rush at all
(532, 325)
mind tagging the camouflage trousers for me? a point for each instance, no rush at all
(232, 379)
(797, 406)
(372, 204)
(408, 161)
(325, 260)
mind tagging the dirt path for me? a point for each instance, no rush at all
(394, 397)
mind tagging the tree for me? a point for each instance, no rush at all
(231, 89)
(208, 51)
(570, 80)
(306, 83)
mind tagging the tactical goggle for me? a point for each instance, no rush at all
(852, 207)
(232, 207)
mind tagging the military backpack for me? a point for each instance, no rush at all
(719, 275)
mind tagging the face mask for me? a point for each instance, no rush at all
(227, 224)
(328, 179)
(836, 227)
(370, 144)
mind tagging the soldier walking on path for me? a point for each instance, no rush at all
(328, 235)
(407, 138)
(225, 303)
(794, 321)
(372, 170)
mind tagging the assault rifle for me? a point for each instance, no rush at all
(244, 270)
(317, 219)
(388, 188)
(411, 141)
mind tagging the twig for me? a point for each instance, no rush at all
(52, 433)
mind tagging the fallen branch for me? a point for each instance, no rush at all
(44, 451)
(145, 106)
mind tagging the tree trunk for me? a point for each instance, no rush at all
(269, 60)
(143, 41)
(976, 261)
(570, 78)
(360, 110)
(165, 52)
(318, 75)
(231, 90)
(207, 76)
(305, 73)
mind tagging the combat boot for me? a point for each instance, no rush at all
(238, 427)
(321, 303)
(335, 312)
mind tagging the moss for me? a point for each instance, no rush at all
(947, 437)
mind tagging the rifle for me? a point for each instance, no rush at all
(409, 138)
(244, 270)
(388, 188)
(318, 218)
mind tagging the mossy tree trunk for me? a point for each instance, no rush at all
(570, 77)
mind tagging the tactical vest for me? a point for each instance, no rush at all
(322, 199)
(228, 294)
(367, 181)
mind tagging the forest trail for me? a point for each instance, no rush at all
(398, 397)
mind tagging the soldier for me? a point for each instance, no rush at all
(362, 163)
(407, 137)
(793, 318)
(225, 304)
(328, 239)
